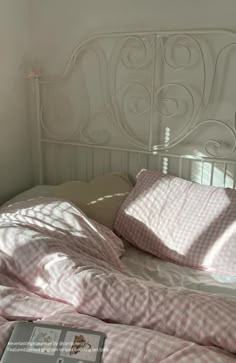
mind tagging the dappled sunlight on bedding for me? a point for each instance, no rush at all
(148, 267)
(60, 273)
(177, 220)
(100, 199)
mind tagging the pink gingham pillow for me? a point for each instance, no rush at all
(181, 221)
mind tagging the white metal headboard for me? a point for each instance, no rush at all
(127, 101)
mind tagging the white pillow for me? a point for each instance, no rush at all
(100, 198)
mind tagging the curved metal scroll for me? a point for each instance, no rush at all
(146, 83)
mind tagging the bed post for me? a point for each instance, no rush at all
(38, 159)
(39, 132)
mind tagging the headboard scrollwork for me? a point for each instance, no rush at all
(153, 93)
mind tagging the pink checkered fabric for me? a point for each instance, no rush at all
(53, 267)
(55, 228)
(181, 221)
(126, 344)
(130, 344)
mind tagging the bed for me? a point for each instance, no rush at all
(138, 125)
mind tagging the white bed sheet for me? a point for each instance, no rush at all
(148, 267)
(37, 191)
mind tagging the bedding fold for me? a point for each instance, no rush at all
(125, 343)
(66, 268)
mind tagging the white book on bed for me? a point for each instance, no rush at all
(41, 343)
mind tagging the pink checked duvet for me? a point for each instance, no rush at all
(58, 266)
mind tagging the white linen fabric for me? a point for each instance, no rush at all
(148, 267)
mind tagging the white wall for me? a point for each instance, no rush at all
(15, 145)
(58, 25)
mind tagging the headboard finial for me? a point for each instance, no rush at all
(34, 73)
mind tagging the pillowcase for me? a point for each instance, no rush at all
(100, 198)
(181, 221)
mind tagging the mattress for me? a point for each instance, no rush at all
(145, 266)
(35, 192)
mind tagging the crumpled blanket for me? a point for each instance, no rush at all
(58, 266)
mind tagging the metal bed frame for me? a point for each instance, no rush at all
(126, 101)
